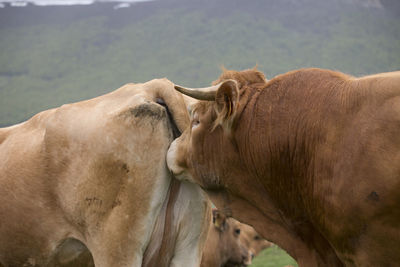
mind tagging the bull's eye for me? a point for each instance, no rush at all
(195, 123)
(257, 237)
(195, 120)
(237, 231)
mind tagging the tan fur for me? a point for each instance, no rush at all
(311, 162)
(95, 171)
(251, 240)
(224, 247)
(223, 243)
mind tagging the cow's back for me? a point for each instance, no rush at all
(368, 172)
(28, 208)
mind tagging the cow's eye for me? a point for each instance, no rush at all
(237, 231)
(257, 237)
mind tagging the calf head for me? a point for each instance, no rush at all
(251, 240)
(228, 231)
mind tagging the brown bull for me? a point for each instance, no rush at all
(95, 171)
(311, 159)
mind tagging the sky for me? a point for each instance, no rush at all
(22, 3)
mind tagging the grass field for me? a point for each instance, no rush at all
(273, 257)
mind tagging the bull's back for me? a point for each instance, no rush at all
(367, 172)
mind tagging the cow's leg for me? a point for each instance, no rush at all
(122, 240)
(109, 260)
(112, 249)
(121, 236)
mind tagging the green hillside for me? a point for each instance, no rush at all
(55, 55)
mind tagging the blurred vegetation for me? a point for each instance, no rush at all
(55, 55)
(273, 257)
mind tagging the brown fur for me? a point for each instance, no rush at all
(95, 171)
(243, 78)
(311, 162)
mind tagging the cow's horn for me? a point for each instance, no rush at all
(207, 93)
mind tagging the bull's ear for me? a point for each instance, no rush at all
(227, 100)
(219, 220)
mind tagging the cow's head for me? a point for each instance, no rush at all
(205, 151)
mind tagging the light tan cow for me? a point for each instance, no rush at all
(95, 171)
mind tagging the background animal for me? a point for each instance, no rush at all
(249, 240)
(95, 171)
(310, 158)
(252, 241)
(223, 243)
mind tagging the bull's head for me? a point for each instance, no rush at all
(207, 150)
(197, 151)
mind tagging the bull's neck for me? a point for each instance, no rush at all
(281, 139)
(281, 135)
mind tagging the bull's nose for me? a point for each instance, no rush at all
(171, 159)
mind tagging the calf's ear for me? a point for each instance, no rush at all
(219, 220)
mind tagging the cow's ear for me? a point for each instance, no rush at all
(219, 220)
(227, 101)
